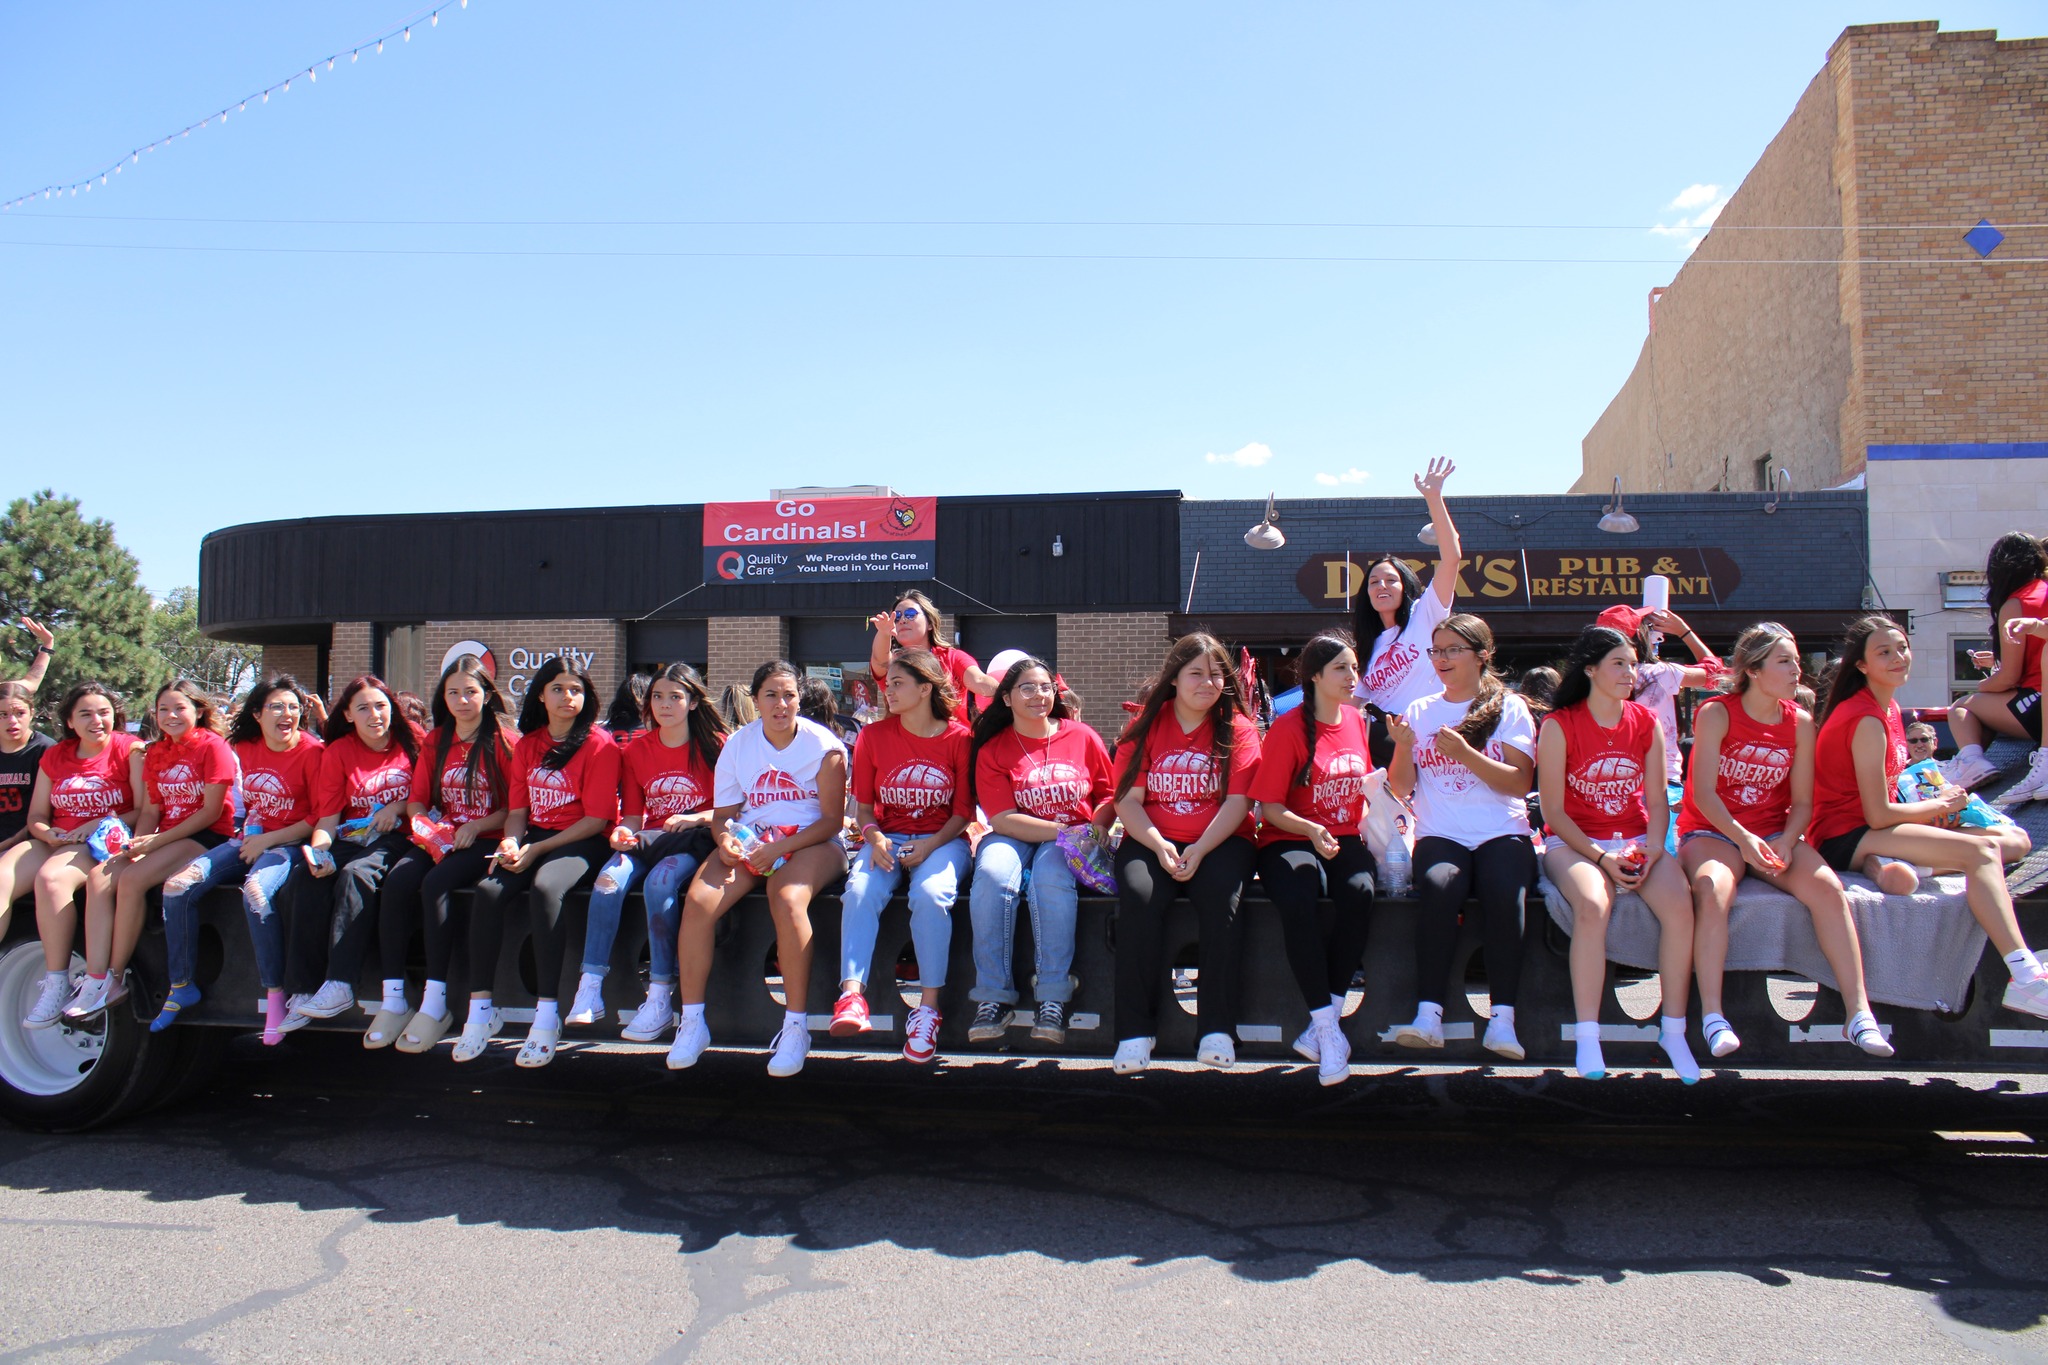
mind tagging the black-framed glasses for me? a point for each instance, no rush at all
(1448, 652)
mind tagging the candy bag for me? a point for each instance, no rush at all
(1088, 858)
(433, 834)
(107, 840)
(1923, 781)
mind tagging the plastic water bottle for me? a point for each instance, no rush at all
(1397, 869)
(750, 839)
(250, 829)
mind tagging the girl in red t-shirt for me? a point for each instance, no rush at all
(93, 773)
(1607, 826)
(365, 774)
(461, 778)
(1037, 771)
(1746, 811)
(914, 623)
(2008, 701)
(668, 773)
(1311, 791)
(1860, 825)
(911, 804)
(563, 796)
(280, 764)
(1184, 768)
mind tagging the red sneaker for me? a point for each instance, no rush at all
(850, 1016)
(921, 1034)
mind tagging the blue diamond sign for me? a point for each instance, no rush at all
(1983, 238)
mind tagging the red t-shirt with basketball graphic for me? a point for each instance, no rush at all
(277, 788)
(177, 772)
(1182, 779)
(660, 782)
(1603, 770)
(1063, 778)
(84, 791)
(356, 779)
(1837, 801)
(1754, 780)
(554, 799)
(2033, 600)
(457, 804)
(1334, 795)
(914, 783)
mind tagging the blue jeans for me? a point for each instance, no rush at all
(221, 865)
(260, 888)
(665, 881)
(992, 903)
(934, 886)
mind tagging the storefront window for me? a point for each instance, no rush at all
(1963, 671)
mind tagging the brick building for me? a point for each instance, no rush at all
(1848, 313)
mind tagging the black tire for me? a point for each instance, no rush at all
(65, 1080)
(192, 1055)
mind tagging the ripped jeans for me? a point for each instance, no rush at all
(666, 878)
(217, 867)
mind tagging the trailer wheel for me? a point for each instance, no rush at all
(66, 1079)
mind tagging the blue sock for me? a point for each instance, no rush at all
(182, 997)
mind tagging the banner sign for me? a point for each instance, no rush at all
(819, 540)
(1492, 580)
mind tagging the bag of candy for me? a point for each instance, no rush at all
(433, 834)
(108, 839)
(1088, 858)
(1923, 781)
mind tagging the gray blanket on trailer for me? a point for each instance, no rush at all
(1919, 951)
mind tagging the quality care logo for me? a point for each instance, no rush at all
(731, 566)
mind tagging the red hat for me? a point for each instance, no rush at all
(1622, 617)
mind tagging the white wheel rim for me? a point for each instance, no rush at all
(50, 1061)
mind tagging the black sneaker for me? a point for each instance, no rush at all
(1051, 1025)
(991, 1020)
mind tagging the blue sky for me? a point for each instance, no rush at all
(546, 255)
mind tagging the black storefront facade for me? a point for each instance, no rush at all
(1096, 582)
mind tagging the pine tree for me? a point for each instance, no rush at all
(74, 577)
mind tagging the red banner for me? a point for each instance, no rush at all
(814, 539)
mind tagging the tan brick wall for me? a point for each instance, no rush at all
(301, 661)
(1904, 126)
(737, 645)
(520, 646)
(1106, 657)
(348, 656)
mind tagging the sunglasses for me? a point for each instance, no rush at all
(908, 614)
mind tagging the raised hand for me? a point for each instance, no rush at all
(1431, 483)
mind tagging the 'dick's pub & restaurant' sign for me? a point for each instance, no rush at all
(820, 540)
(1535, 579)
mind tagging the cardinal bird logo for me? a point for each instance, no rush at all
(903, 516)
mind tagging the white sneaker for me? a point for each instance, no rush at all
(1722, 1039)
(2028, 997)
(89, 998)
(1969, 772)
(1217, 1050)
(692, 1037)
(1132, 1056)
(1333, 1055)
(2032, 787)
(333, 997)
(50, 999)
(477, 1032)
(294, 1018)
(650, 1021)
(1306, 1044)
(1422, 1033)
(792, 1045)
(1500, 1038)
(588, 1007)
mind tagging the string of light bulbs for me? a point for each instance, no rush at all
(400, 31)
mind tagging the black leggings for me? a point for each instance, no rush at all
(546, 883)
(423, 893)
(357, 888)
(1500, 872)
(1144, 894)
(1293, 875)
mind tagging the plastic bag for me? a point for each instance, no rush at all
(434, 834)
(1087, 856)
(107, 840)
(1923, 781)
(1386, 818)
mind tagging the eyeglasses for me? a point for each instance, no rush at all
(281, 708)
(908, 614)
(1451, 652)
(1034, 689)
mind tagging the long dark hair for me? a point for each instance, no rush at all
(923, 665)
(486, 761)
(1848, 679)
(1316, 656)
(628, 711)
(1574, 685)
(997, 716)
(2016, 559)
(339, 726)
(1365, 618)
(708, 727)
(1484, 716)
(204, 706)
(247, 727)
(1159, 695)
(533, 712)
(78, 693)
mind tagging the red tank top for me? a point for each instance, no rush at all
(2033, 601)
(1837, 804)
(1755, 777)
(1603, 776)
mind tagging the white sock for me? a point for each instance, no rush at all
(59, 975)
(658, 992)
(1970, 751)
(394, 995)
(1429, 1012)
(434, 1000)
(694, 1013)
(479, 1006)
(1586, 1032)
(1506, 1014)
(1327, 1015)
(546, 1014)
(796, 1017)
(1671, 1037)
(2025, 966)
(1710, 1019)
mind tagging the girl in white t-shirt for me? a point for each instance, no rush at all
(781, 781)
(1396, 618)
(1468, 756)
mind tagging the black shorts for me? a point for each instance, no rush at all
(1840, 851)
(208, 839)
(2026, 709)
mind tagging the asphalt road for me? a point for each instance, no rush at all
(320, 1203)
